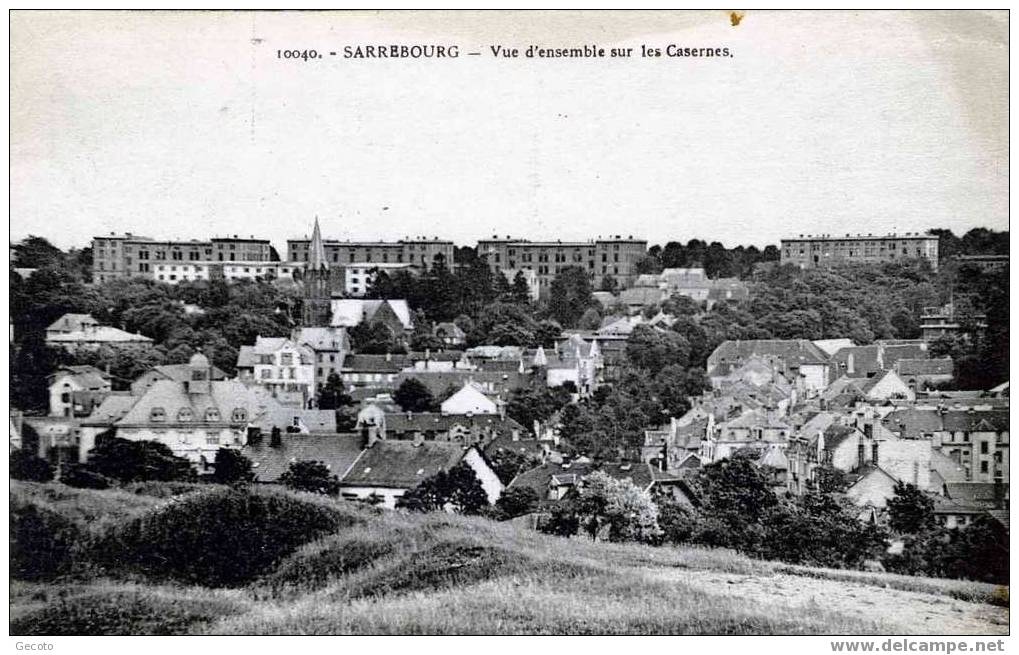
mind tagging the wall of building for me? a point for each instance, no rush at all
(820, 251)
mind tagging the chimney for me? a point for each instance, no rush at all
(999, 494)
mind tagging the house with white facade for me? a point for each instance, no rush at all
(284, 367)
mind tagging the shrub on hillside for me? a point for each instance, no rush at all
(83, 476)
(120, 613)
(26, 466)
(41, 541)
(314, 565)
(222, 537)
(157, 489)
(132, 461)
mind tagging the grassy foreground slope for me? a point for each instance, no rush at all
(361, 571)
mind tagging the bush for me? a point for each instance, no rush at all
(120, 613)
(231, 466)
(41, 541)
(458, 489)
(83, 476)
(517, 501)
(311, 476)
(156, 489)
(132, 461)
(223, 537)
(26, 466)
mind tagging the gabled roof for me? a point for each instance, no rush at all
(337, 451)
(111, 410)
(89, 377)
(323, 338)
(348, 312)
(72, 322)
(182, 372)
(793, 352)
(98, 334)
(247, 356)
(402, 464)
(225, 396)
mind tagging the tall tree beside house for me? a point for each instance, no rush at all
(333, 394)
(570, 295)
(653, 349)
(413, 396)
(36, 252)
(457, 489)
(520, 291)
(591, 319)
(910, 510)
(374, 339)
(231, 466)
(311, 476)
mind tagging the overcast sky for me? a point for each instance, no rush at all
(186, 125)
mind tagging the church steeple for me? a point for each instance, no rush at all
(317, 251)
(317, 283)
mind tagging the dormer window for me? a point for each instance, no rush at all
(212, 415)
(157, 415)
(239, 415)
(185, 415)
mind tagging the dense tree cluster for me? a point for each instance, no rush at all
(716, 260)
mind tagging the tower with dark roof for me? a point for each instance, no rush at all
(317, 284)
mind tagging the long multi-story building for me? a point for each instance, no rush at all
(128, 255)
(614, 256)
(422, 253)
(822, 250)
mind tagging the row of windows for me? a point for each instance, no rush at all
(185, 415)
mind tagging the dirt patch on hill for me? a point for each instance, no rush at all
(909, 612)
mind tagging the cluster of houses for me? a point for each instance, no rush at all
(869, 413)
(795, 407)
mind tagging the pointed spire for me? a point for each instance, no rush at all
(317, 251)
(539, 357)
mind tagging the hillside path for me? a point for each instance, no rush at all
(909, 612)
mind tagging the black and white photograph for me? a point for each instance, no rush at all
(516, 322)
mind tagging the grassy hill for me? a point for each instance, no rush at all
(211, 560)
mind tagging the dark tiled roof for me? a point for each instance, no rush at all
(375, 363)
(914, 423)
(980, 494)
(794, 352)
(409, 422)
(401, 464)
(505, 443)
(337, 451)
(924, 366)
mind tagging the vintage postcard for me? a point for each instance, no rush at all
(510, 323)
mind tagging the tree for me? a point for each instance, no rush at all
(570, 295)
(609, 284)
(333, 395)
(830, 480)
(910, 510)
(413, 396)
(137, 461)
(508, 464)
(373, 339)
(517, 501)
(591, 320)
(311, 476)
(735, 500)
(231, 466)
(628, 512)
(654, 349)
(457, 489)
(37, 252)
(25, 465)
(535, 403)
